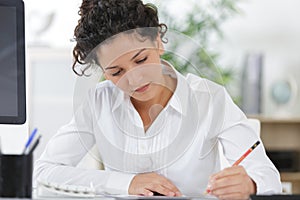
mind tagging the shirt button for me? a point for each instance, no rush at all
(145, 164)
(143, 149)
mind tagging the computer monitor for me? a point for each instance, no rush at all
(12, 63)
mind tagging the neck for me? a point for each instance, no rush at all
(149, 110)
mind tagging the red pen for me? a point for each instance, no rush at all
(241, 158)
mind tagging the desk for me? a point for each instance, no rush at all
(272, 197)
(254, 197)
(42, 193)
(129, 198)
(276, 197)
(99, 198)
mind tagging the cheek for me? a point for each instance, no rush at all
(138, 76)
(121, 82)
(153, 73)
(115, 80)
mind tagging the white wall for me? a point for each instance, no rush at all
(272, 28)
(267, 26)
(51, 91)
(58, 32)
(13, 138)
(49, 56)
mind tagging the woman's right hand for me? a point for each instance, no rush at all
(149, 183)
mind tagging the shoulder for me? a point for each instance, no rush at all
(102, 91)
(104, 85)
(215, 103)
(210, 95)
(201, 85)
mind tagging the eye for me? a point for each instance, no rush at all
(117, 73)
(142, 60)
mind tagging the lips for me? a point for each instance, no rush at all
(143, 88)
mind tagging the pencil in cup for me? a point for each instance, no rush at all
(236, 163)
(31, 136)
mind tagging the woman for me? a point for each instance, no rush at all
(156, 130)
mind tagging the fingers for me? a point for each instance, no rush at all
(231, 183)
(164, 186)
(225, 190)
(149, 183)
(145, 192)
(168, 184)
(229, 172)
(161, 190)
(219, 179)
(226, 181)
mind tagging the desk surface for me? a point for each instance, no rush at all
(130, 198)
(116, 198)
(275, 197)
(41, 194)
(262, 197)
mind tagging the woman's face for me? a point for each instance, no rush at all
(133, 65)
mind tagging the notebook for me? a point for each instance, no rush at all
(47, 189)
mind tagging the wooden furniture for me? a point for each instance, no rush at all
(282, 134)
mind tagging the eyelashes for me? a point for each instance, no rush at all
(137, 62)
(142, 60)
(117, 73)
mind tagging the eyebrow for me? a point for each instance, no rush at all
(136, 55)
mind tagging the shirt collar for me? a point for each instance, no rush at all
(178, 100)
(118, 97)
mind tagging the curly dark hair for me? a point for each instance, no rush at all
(102, 19)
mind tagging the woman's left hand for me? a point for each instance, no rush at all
(231, 183)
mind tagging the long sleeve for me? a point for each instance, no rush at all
(64, 151)
(237, 136)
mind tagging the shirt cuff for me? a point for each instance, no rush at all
(258, 182)
(118, 183)
(261, 187)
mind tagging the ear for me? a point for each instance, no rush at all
(160, 45)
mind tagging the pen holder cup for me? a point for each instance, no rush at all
(16, 175)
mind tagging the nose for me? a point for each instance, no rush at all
(134, 77)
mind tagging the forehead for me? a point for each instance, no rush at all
(121, 46)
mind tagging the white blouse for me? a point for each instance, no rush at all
(181, 143)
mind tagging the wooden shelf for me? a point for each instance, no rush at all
(271, 119)
(282, 133)
(294, 178)
(279, 133)
(290, 176)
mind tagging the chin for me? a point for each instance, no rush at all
(143, 97)
(138, 98)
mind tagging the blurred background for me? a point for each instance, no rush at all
(252, 45)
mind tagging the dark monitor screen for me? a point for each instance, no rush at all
(12, 62)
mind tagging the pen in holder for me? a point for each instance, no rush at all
(16, 175)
